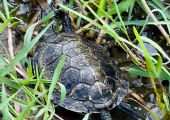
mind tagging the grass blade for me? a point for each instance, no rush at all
(2, 16)
(159, 66)
(49, 1)
(4, 109)
(8, 99)
(102, 5)
(6, 8)
(55, 78)
(166, 101)
(135, 70)
(122, 6)
(25, 50)
(40, 112)
(8, 82)
(86, 117)
(63, 92)
(6, 23)
(84, 17)
(148, 60)
(27, 109)
(3, 61)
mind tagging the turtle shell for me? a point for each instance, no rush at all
(92, 81)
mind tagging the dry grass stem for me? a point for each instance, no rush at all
(101, 34)
(81, 7)
(155, 20)
(86, 26)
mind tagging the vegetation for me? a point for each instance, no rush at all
(39, 98)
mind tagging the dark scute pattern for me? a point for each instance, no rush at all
(48, 35)
(99, 93)
(81, 92)
(105, 115)
(51, 53)
(79, 61)
(53, 65)
(70, 79)
(49, 69)
(79, 107)
(109, 69)
(69, 49)
(87, 75)
(91, 80)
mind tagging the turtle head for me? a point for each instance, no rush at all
(66, 21)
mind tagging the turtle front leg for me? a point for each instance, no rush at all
(105, 115)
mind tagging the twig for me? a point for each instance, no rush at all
(33, 20)
(155, 20)
(99, 38)
(20, 70)
(86, 26)
(10, 47)
(58, 117)
(138, 98)
(81, 7)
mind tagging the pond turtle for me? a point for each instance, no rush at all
(93, 82)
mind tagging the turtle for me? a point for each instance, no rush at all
(92, 80)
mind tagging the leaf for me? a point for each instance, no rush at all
(25, 50)
(159, 66)
(47, 17)
(165, 98)
(102, 5)
(149, 62)
(40, 112)
(122, 6)
(3, 61)
(86, 117)
(26, 90)
(49, 1)
(27, 109)
(27, 37)
(63, 92)
(12, 111)
(8, 82)
(5, 109)
(8, 99)
(6, 23)
(2, 16)
(28, 34)
(52, 113)
(6, 8)
(55, 78)
(135, 70)
(156, 46)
